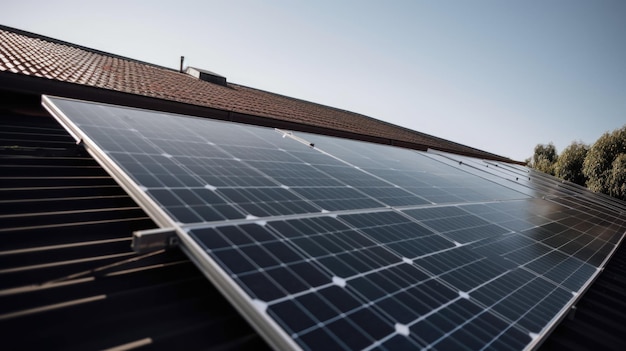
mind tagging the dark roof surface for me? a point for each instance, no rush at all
(599, 321)
(36, 56)
(68, 277)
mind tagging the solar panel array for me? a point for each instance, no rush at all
(351, 245)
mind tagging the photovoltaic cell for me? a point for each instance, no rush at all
(351, 245)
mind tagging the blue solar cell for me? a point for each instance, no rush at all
(350, 245)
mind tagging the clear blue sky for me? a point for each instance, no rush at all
(496, 75)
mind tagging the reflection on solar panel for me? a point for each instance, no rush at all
(350, 245)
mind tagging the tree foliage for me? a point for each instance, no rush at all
(601, 167)
(605, 164)
(569, 164)
(544, 158)
(618, 178)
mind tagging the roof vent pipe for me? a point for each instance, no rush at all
(182, 59)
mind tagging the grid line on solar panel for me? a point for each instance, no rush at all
(331, 250)
(235, 172)
(385, 294)
(363, 184)
(521, 335)
(360, 181)
(157, 170)
(464, 325)
(567, 269)
(471, 193)
(362, 155)
(515, 186)
(338, 198)
(492, 268)
(591, 207)
(457, 225)
(231, 170)
(264, 281)
(394, 164)
(371, 184)
(549, 187)
(583, 246)
(296, 174)
(524, 298)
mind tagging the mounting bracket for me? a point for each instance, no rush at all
(154, 239)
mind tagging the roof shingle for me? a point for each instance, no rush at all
(25, 54)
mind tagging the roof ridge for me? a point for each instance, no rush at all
(80, 47)
(49, 58)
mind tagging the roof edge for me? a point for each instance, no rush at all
(40, 86)
(485, 154)
(406, 129)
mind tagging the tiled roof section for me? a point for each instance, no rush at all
(30, 55)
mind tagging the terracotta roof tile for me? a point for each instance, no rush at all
(30, 55)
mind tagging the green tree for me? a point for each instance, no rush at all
(604, 165)
(618, 178)
(569, 165)
(544, 158)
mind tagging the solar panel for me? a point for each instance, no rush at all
(351, 245)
